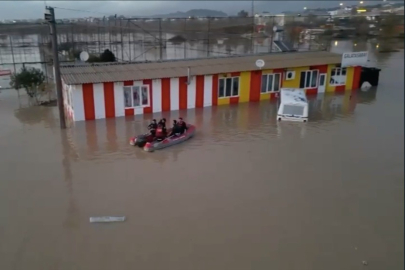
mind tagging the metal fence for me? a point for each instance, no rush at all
(141, 39)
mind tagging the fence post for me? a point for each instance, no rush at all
(160, 40)
(98, 38)
(253, 30)
(73, 38)
(129, 42)
(272, 35)
(185, 42)
(208, 37)
(12, 53)
(293, 34)
(109, 33)
(122, 42)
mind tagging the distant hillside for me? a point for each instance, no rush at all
(193, 13)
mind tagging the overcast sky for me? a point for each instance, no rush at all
(35, 9)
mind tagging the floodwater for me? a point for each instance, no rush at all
(246, 193)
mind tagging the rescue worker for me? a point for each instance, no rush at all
(182, 125)
(176, 129)
(162, 122)
(153, 124)
(152, 127)
(160, 133)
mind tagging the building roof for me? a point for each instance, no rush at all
(293, 96)
(119, 72)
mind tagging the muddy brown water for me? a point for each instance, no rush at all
(245, 193)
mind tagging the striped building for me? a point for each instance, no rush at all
(117, 89)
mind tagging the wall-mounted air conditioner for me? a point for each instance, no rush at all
(289, 75)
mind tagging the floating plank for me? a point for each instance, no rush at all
(106, 219)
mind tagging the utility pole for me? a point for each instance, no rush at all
(50, 18)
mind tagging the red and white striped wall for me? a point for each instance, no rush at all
(106, 100)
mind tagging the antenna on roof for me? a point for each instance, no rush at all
(84, 56)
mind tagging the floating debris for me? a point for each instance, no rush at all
(365, 263)
(106, 219)
(365, 86)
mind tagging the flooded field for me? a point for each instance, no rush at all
(245, 193)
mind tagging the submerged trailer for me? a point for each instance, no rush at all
(293, 105)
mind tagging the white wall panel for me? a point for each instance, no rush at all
(174, 94)
(207, 90)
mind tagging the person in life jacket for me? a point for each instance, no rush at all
(182, 125)
(152, 127)
(162, 122)
(160, 132)
(153, 124)
(176, 129)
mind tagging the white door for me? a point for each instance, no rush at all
(322, 83)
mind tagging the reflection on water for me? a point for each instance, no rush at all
(247, 192)
(108, 138)
(69, 155)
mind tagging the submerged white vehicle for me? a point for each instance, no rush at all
(293, 105)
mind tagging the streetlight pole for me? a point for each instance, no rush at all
(50, 18)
